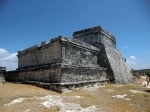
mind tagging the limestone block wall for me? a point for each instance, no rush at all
(118, 66)
(106, 39)
(95, 36)
(80, 75)
(77, 61)
(78, 56)
(58, 75)
(47, 54)
(62, 63)
(70, 52)
(48, 74)
(80, 62)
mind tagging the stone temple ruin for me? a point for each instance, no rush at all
(89, 58)
(2, 73)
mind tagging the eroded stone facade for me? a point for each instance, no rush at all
(89, 58)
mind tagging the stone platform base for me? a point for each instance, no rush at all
(67, 87)
(59, 78)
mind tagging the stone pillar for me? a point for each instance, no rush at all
(2, 73)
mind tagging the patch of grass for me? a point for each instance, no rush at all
(9, 90)
(145, 95)
(29, 100)
(51, 109)
(86, 100)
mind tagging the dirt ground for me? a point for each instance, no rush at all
(107, 98)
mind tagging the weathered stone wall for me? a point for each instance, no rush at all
(58, 78)
(2, 73)
(80, 62)
(79, 55)
(95, 35)
(79, 75)
(2, 79)
(118, 66)
(109, 56)
(70, 52)
(75, 56)
(44, 54)
(76, 65)
(46, 74)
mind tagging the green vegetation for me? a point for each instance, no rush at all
(148, 74)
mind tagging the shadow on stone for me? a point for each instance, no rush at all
(147, 91)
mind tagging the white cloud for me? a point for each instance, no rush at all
(132, 58)
(8, 60)
(131, 62)
(3, 53)
(134, 63)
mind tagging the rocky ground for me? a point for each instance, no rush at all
(108, 98)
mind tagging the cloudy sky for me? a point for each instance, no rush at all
(8, 60)
(24, 23)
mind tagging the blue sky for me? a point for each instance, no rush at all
(24, 23)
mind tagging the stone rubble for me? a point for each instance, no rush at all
(53, 100)
(19, 100)
(136, 91)
(121, 97)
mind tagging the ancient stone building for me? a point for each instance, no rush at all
(89, 58)
(109, 57)
(2, 72)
